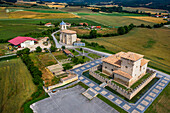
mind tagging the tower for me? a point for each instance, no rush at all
(63, 25)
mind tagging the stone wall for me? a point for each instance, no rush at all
(128, 94)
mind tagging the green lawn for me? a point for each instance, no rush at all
(111, 104)
(86, 74)
(139, 95)
(16, 85)
(161, 103)
(82, 50)
(85, 59)
(140, 81)
(60, 55)
(74, 52)
(94, 55)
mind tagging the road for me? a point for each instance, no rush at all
(7, 55)
(55, 40)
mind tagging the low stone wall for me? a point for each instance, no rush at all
(128, 94)
(63, 83)
(143, 84)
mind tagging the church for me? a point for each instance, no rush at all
(67, 37)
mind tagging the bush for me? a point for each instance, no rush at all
(53, 49)
(38, 49)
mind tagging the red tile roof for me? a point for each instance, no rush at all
(20, 39)
(122, 73)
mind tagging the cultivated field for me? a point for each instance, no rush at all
(16, 85)
(147, 10)
(149, 19)
(3, 14)
(115, 21)
(38, 15)
(77, 9)
(153, 43)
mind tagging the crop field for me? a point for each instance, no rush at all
(149, 19)
(153, 43)
(147, 10)
(38, 15)
(77, 9)
(16, 85)
(116, 21)
(3, 14)
(86, 31)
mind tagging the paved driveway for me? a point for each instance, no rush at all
(71, 101)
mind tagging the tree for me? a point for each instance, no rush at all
(121, 30)
(52, 49)
(83, 57)
(81, 49)
(63, 47)
(73, 51)
(84, 24)
(38, 49)
(126, 29)
(93, 34)
(67, 66)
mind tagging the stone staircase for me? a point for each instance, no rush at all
(90, 93)
(104, 84)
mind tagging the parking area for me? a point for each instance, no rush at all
(71, 101)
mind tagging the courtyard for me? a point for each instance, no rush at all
(71, 101)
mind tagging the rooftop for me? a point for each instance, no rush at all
(62, 23)
(122, 73)
(144, 61)
(68, 31)
(132, 56)
(67, 51)
(113, 60)
(20, 39)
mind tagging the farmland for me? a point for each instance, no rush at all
(116, 21)
(18, 27)
(149, 19)
(16, 85)
(38, 15)
(153, 43)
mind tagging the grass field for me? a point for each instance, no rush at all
(60, 55)
(161, 103)
(94, 55)
(18, 27)
(116, 21)
(153, 43)
(16, 85)
(76, 9)
(47, 59)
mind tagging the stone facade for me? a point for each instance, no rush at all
(68, 37)
(125, 68)
(129, 94)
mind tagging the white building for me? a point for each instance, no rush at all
(68, 37)
(125, 68)
(22, 41)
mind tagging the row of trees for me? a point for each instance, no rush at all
(125, 29)
(35, 72)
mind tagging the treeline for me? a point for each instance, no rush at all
(118, 9)
(94, 34)
(7, 4)
(35, 72)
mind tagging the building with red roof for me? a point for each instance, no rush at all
(22, 41)
(48, 24)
